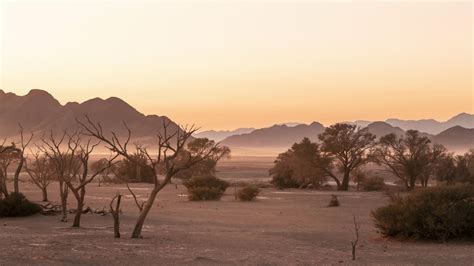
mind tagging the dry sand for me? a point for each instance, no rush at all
(281, 228)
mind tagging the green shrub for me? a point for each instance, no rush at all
(205, 188)
(373, 184)
(16, 205)
(439, 213)
(248, 193)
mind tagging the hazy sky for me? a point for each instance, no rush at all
(235, 64)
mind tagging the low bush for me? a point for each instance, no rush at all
(16, 205)
(373, 184)
(205, 188)
(334, 201)
(248, 193)
(438, 213)
(283, 181)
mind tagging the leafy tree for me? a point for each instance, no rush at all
(446, 170)
(465, 167)
(358, 177)
(206, 167)
(344, 148)
(299, 166)
(455, 169)
(410, 158)
(134, 169)
(8, 156)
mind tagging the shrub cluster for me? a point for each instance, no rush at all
(16, 205)
(205, 188)
(248, 193)
(438, 213)
(373, 184)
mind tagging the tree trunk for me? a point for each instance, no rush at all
(345, 182)
(45, 194)
(3, 184)
(77, 218)
(17, 176)
(116, 216)
(412, 184)
(137, 231)
(80, 196)
(63, 190)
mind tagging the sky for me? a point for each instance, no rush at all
(230, 64)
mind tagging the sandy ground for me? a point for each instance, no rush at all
(280, 228)
(290, 227)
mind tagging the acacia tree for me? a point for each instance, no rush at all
(41, 172)
(465, 167)
(299, 167)
(206, 167)
(8, 155)
(408, 157)
(170, 155)
(347, 148)
(455, 169)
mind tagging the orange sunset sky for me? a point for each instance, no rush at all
(229, 64)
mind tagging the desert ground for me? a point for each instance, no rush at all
(291, 227)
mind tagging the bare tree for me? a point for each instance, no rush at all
(78, 185)
(169, 157)
(41, 172)
(356, 241)
(63, 152)
(409, 158)
(21, 158)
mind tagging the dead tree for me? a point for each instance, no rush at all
(21, 158)
(62, 152)
(356, 241)
(169, 157)
(116, 214)
(78, 185)
(41, 173)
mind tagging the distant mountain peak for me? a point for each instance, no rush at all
(39, 92)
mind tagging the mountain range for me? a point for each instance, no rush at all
(39, 112)
(456, 138)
